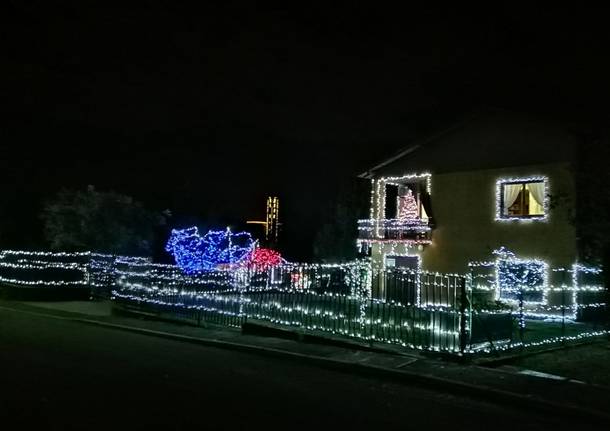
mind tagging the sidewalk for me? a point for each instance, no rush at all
(502, 385)
(589, 363)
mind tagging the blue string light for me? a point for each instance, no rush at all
(194, 253)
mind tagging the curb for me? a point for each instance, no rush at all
(485, 393)
(264, 329)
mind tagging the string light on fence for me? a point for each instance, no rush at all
(332, 298)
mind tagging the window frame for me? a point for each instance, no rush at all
(379, 198)
(500, 216)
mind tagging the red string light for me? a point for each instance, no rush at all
(263, 258)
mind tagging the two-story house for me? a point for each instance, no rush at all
(494, 181)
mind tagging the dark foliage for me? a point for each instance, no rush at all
(105, 222)
(593, 207)
(336, 239)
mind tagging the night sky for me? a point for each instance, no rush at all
(207, 111)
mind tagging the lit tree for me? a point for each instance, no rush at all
(407, 205)
(264, 258)
(195, 253)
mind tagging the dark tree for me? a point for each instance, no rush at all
(593, 206)
(336, 239)
(104, 222)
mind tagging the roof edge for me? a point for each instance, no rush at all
(418, 143)
(369, 173)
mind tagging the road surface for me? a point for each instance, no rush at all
(57, 374)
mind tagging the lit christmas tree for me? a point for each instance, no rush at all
(407, 205)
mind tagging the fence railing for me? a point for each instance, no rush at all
(93, 272)
(418, 309)
(420, 288)
(370, 229)
(39, 269)
(566, 304)
(345, 300)
(364, 319)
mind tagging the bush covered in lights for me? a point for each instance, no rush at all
(195, 253)
(526, 277)
(263, 258)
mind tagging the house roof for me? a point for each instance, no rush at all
(487, 139)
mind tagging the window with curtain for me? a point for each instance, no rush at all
(522, 199)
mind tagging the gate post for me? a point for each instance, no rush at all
(463, 307)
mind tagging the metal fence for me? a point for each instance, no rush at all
(567, 304)
(442, 312)
(360, 318)
(76, 275)
(31, 269)
(422, 288)
(427, 311)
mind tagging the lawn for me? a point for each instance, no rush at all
(538, 330)
(589, 362)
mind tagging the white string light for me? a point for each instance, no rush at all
(503, 283)
(376, 226)
(292, 300)
(499, 216)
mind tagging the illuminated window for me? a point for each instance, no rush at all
(522, 199)
(403, 200)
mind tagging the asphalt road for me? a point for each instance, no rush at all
(57, 374)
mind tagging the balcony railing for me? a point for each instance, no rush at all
(394, 229)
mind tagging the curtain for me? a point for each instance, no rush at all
(511, 191)
(537, 192)
(427, 204)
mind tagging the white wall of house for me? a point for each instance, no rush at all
(464, 205)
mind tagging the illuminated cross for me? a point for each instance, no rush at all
(271, 222)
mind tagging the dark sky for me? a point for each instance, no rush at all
(206, 111)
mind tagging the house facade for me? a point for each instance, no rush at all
(496, 182)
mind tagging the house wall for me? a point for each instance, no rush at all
(464, 207)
